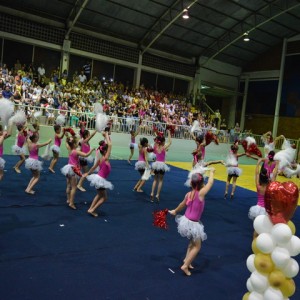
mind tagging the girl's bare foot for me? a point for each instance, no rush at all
(140, 191)
(186, 270)
(31, 192)
(95, 215)
(71, 205)
(190, 266)
(17, 170)
(51, 170)
(81, 188)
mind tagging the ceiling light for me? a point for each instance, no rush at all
(246, 37)
(185, 14)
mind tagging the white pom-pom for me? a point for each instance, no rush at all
(6, 111)
(262, 224)
(46, 155)
(290, 172)
(151, 156)
(19, 118)
(101, 122)
(265, 243)
(98, 108)
(250, 140)
(37, 114)
(60, 120)
(195, 127)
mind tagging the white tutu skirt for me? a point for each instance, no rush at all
(88, 159)
(255, 211)
(140, 165)
(18, 150)
(55, 148)
(67, 170)
(98, 182)
(33, 164)
(190, 229)
(133, 145)
(234, 171)
(2, 163)
(160, 166)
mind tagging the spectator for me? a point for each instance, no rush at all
(7, 93)
(82, 77)
(87, 68)
(41, 72)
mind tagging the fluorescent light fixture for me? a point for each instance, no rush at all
(185, 14)
(246, 37)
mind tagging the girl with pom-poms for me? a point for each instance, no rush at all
(132, 145)
(59, 134)
(3, 135)
(99, 180)
(141, 164)
(18, 148)
(159, 167)
(85, 147)
(190, 225)
(270, 142)
(233, 171)
(72, 169)
(32, 162)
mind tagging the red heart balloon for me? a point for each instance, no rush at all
(281, 201)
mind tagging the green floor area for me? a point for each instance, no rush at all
(180, 150)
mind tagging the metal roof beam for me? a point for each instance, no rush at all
(162, 24)
(249, 24)
(74, 15)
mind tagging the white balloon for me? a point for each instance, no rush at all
(281, 233)
(249, 285)
(256, 296)
(291, 269)
(250, 263)
(259, 282)
(265, 243)
(280, 257)
(262, 224)
(294, 246)
(273, 294)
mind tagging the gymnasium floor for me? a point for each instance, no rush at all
(51, 252)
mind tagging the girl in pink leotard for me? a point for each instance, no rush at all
(99, 180)
(189, 225)
(3, 135)
(159, 166)
(72, 169)
(85, 147)
(32, 162)
(19, 148)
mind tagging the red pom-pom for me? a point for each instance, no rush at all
(77, 170)
(245, 145)
(70, 130)
(253, 149)
(160, 218)
(209, 137)
(150, 149)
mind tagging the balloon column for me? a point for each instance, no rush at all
(271, 264)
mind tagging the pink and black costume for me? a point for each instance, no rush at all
(190, 225)
(85, 148)
(140, 165)
(57, 143)
(18, 148)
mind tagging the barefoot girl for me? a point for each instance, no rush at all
(56, 147)
(32, 162)
(3, 135)
(99, 180)
(189, 225)
(132, 144)
(72, 169)
(18, 148)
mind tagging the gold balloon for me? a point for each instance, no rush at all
(254, 247)
(288, 288)
(263, 263)
(277, 279)
(292, 227)
(246, 296)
